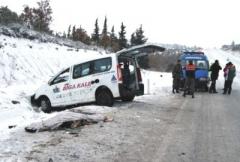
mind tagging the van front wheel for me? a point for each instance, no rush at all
(45, 105)
(104, 98)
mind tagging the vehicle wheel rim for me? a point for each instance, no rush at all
(43, 105)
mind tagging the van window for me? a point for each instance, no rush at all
(77, 71)
(202, 64)
(85, 69)
(102, 65)
(88, 68)
(81, 70)
(62, 77)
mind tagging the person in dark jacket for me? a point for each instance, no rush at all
(230, 74)
(190, 78)
(176, 74)
(126, 74)
(225, 71)
(215, 68)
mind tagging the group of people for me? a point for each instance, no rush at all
(229, 74)
(189, 85)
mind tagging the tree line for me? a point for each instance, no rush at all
(232, 47)
(40, 18)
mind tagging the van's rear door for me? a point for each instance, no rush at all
(134, 53)
(140, 50)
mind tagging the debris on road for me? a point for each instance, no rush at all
(67, 119)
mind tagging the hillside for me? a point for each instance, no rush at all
(20, 31)
(24, 66)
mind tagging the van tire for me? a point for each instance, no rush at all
(128, 98)
(45, 105)
(104, 98)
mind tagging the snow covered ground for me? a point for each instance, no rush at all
(25, 65)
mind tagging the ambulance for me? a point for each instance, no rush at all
(100, 80)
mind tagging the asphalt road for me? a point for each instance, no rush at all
(159, 129)
(206, 129)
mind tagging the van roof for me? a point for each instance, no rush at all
(139, 49)
(130, 52)
(193, 56)
(94, 57)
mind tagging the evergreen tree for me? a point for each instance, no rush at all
(42, 16)
(138, 38)
(122, 38)
(114, 44)
(74, 37)
(81, 35)
(104, 31)
(133, 39)
(7, 16)
(113, 35)
(69, 32)
(64, 35)
(95, 35)
(27, 16)
(105, 39)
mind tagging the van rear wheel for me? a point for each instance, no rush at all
(45, 105)
(104, 98)
(129, 97)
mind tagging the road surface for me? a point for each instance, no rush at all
(154, 128)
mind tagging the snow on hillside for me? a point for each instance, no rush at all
(24, 66)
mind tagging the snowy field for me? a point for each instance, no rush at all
(25, 65)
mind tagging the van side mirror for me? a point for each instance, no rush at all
(50, 82)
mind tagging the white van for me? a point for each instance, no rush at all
(100, 80)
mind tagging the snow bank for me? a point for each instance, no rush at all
(157, 83)
(24, 66)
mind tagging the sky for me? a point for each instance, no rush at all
(206, 23)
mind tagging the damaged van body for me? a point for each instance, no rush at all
(99, 80)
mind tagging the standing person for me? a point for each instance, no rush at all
(230, 74)
(215, 67)
(190, 78)
(225, 71)
(176, 74)
(126, 74)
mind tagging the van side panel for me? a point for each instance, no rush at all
(108, 79)
(86, 86)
